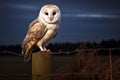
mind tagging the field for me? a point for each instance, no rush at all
(83, 66)
(14, 68)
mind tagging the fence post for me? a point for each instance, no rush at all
(111, 78)
(41, 65)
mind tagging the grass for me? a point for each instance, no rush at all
(90, 66)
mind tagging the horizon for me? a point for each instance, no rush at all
(70, 42)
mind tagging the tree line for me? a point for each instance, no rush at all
(68, 46)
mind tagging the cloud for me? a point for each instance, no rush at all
(91, 15)
(19, 10)
(27, 7)
(22, 6)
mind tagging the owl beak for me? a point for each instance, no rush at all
(51, 18)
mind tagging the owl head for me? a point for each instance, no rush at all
(49, 14)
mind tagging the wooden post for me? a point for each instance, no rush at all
(111, 78)
(41, 65)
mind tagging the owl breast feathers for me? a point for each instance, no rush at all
(41, 30)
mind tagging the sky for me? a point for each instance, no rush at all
(82, 20)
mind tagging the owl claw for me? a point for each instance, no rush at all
(45, 50)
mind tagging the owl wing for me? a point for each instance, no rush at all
(35, 32)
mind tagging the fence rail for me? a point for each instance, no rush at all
(65, 52)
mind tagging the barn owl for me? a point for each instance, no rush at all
(41, 30)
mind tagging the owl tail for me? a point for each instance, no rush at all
(27, 57)
(26, 52)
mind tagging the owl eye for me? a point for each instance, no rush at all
(46, 13)
(54, 13)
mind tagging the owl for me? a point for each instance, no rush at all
(41, 30)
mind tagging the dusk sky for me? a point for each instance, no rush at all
(82, 20)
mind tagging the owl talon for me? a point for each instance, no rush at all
(45, 50)
(48, 50)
